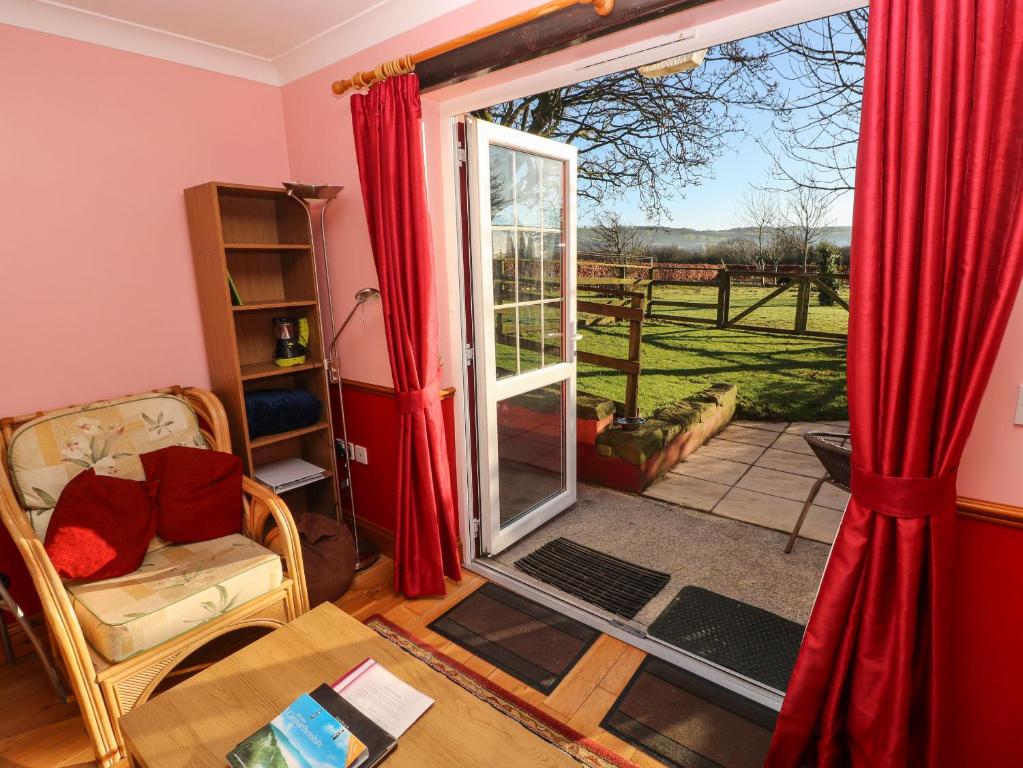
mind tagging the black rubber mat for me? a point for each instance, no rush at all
(527, 640)
(615, 585)
(751, 641)
(686, 721)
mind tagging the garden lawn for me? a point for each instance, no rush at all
(781, 378)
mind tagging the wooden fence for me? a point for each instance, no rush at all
(803, 283)
(627, 305)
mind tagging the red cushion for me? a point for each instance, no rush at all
(101, 526)
(200, 496)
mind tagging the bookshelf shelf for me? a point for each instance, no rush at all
(256, 371)
(257, 306)
(280, 437)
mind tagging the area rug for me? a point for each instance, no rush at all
(686, 721)
(738, 636)
(617, 586)
(529, 641)
(581, 749)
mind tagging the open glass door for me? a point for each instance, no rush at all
(523, 228)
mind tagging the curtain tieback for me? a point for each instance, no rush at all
(417, 400)
(903, 496)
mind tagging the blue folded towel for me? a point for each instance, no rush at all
(270, 411)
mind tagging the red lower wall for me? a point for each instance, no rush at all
(371, 414)
(987, 673)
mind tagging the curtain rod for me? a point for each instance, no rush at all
(407, 63)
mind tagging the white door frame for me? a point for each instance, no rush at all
(480, 135)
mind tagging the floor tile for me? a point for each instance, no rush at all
(794, 443)
(747, 435)
(787, 461)
(727, 449)
(770, 426)
(711, 468)
(777, 483)
(759, 509)
(687, 491)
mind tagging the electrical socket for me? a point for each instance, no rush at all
(351, 450)
(360, 454)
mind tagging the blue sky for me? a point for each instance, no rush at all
(744, 164)
(714, 203)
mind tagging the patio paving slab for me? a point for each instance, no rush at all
(769, 426)
(728, 449)
(711, 468)
(794, 443)
(794, 463)
(775, 483)
(780, 514)
(688, 491)
(799, 427)
(748, 435)
(832, 497)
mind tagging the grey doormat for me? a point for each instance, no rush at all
(530, 642)
(686, 721)
(615, 585)
(741, 637)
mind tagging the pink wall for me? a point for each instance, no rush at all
(991, 465)
(95, 265)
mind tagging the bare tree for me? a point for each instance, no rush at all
(759, 211)
(614, 241)
(654, 136)
(807, 216)
(820, 67)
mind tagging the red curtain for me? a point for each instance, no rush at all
(389, 146)
(937, 257)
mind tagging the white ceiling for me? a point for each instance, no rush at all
(272, 41)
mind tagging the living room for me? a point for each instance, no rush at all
(158, 270)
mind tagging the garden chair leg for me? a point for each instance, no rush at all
(802, 515)
(6, 638)
(8, 603)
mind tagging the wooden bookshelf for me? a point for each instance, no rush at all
(261, 237)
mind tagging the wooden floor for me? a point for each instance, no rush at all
(35, 730)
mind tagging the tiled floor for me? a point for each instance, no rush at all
(761, 473)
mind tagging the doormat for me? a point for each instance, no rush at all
(741, 637)
(684, 720)
(617, 586)
(530, 642)
(581, 749)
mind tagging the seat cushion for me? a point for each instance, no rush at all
(107, 436)
(176, 589)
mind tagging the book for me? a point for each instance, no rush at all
(365, 711)
(236, 298)
(283, 475)
(305, 735)
(392, 704)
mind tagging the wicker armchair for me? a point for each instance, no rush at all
(147, 646)
(837, 460)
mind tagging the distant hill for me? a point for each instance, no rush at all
(699, 239)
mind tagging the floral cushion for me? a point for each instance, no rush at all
(47, 452)
(176, 589)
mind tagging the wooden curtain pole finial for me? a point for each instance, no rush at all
(407, 63)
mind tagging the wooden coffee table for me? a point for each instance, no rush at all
(198, 722)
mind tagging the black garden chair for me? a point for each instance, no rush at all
(835, 453)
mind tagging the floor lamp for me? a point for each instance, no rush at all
(317, 197)
(367, 554)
